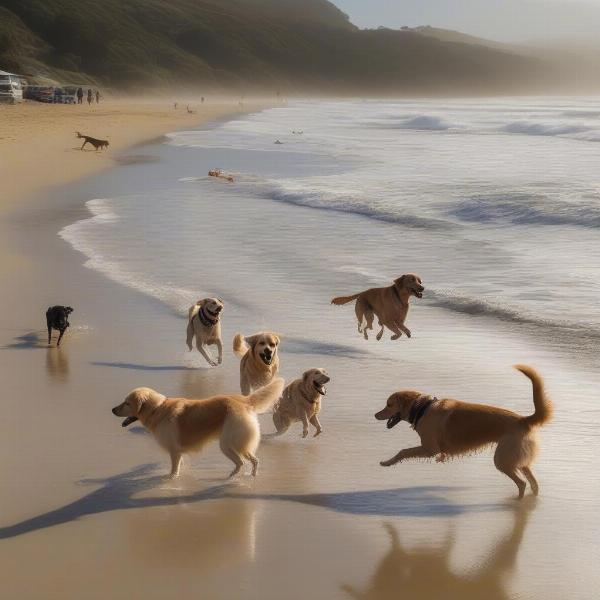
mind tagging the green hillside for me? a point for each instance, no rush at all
(292, 45)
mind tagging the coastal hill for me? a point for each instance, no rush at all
(292, 46)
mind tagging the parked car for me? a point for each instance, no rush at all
(11, 88)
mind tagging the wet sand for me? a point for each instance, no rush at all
(86, 513)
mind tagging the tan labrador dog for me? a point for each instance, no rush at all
(260, 361)
(301, 401)
(453, 428)
(204, 323)
(181, 426)
(388, 304)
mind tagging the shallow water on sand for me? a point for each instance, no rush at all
(492, 204)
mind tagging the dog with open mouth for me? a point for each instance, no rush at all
(452, 428)
(204, 323)
(181, 426)
(259, 359)
(301, 401)
(389, 304)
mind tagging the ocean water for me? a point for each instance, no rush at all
(496, 204)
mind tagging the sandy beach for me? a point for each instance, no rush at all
(84, 501)
(39, 147)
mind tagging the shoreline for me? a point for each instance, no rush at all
(41, 137)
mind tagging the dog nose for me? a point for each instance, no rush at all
(114, 411)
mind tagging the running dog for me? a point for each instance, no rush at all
(388, 304)
(98, 144)
(301, 401)
(453, 428)
(259, 359)
(181, 426)
(204, 323)
(57, 317)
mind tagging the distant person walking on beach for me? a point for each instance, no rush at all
(97, 96)
(90, 98)
(79, 96)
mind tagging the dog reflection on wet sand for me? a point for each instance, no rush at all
(426, 573)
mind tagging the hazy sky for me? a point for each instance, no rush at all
(504, 20)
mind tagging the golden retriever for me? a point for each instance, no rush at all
(301, 401)
(204, 323)
(260, 361)
(452, 428)
(180, 425)
(388, 304)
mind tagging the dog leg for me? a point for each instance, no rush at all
(254, 462)
(304, 424)
(235, 458)
(190, 335)
(62, 332)
(281, 424)
(416, 452)
(405, 329)
(82, 145)
(204, 353)
(316, 424)
(503, 459)
(393, 327)
(369, 316)
(220, 350)
(380, 334)
(535, 488)
(358, 310)
(175, 464)
(49, 334)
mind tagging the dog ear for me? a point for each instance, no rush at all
(253, 340)
(306, 375)
(400, 281)
(277, 339)
(69, 309)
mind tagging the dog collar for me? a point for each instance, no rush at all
(205, 319)
(419, 408)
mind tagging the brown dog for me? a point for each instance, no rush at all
(180, 425)
(260, 361)
(389, 304)
(301, 401)
(98, 144)
(452, 428)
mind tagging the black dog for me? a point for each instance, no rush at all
(57, 317)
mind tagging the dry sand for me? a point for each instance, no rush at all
(39, 149)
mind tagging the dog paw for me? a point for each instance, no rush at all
(318, 432)
(305, 433)
(386, 463)
(440, 458)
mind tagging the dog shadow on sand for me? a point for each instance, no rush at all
(129, 490)
(426, 572)
(27, 341)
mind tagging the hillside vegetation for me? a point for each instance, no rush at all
(268, 45)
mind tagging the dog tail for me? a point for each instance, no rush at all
(263, 399)
(543, 405)
(239, 345)
(344, 299)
